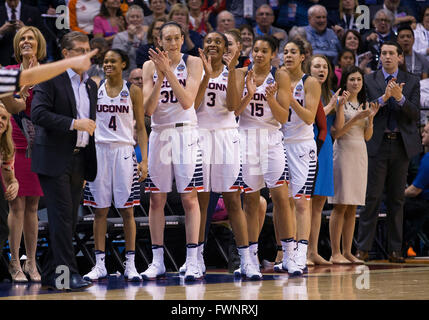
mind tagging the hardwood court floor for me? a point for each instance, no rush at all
(373, 281)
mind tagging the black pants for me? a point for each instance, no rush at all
(62, 196)
(416, 213)
(386, 171)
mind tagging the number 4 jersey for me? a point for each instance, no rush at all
(115, 117)
(257, 114)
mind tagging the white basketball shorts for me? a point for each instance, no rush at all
(263, 159)
(302, 161)
(117, 177)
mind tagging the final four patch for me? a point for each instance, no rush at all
(270, 81)
(124, 94)
(180, 67)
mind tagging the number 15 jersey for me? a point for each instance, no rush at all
(115, 117)
(257, 114)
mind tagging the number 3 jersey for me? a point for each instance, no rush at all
(257, 114)
(213, 113)
(169, 109)
(115, 117)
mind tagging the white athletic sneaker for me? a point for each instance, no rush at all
(182, 269)
(241, 271)
(131, 273)
(278, 267)
(201, 265)
(155, 271)
(253, 272)
(193, 272)
(98, 272)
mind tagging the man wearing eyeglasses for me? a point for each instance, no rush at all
(63, 111)
(264, 25)
(374, 38)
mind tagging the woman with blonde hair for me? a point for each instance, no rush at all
(30, 48)
(7, 153)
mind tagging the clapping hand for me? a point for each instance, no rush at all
(250, 83)
(231, 59)
(344, 97)
(207, 63)
(160, 59)
(374, 107)
(271, 90)
(396, 89)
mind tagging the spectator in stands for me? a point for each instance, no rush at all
(350, 164)
(298, 33)
(247, 38)
(234, 44)
(199, 18)
(179, 13)
(30, 48)
(374, 38)
(320, 68)
(242, 16)
(82, 13)
(110, 21)
(346, 59)
(323, 40)
(131, 39)
(415, 62)
(264, 26)
(424, 101)
(416, 208)
(53, 34)
(395, 141)
(401, 15)
(421, 43)
(13, 16)
(7, 152)
(225, 21)
(96, 71)
(142, 54)
(345, 18)
(158, 8)
(136, 77)
(352, 40)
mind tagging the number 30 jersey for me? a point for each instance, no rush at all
(115, 117)
(257, 114)
(169, 109)
(213, 113)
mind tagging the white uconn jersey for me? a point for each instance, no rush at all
(213, 113)
(295, 129)
(169, 110)
(258, 113)
(115, 117)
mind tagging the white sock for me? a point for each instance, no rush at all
(158, 255)
(191, 253)
(253, 252)
(130, 256)
(200, 252)
(244, 255)
(100, 259)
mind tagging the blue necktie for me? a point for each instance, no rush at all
(391, 115)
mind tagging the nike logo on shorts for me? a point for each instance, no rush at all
(126, 157)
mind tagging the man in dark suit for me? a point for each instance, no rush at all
(395, 141)
(13, 16)
(63, 155)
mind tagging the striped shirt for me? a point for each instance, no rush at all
(9, 81)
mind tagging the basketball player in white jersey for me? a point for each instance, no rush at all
(170, 85)
(118, 173)
(262, 110)
(301, 149)
(216, 101)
